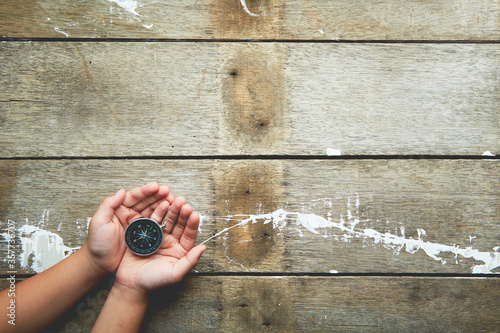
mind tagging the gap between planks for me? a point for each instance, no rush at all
(291, 41)
(257, 157)
(20, 277)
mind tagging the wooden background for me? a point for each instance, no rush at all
(369, 126)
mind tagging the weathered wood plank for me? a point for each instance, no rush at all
(171, 99)
(312, 304)
(266, 19)
(329, 215)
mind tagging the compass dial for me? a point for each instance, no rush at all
(143, 236)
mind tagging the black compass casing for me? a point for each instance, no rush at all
(143, 236)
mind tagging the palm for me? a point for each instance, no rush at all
(108, 246)
(171, 262)
(108, 225)
(151, 272)
(109, 236)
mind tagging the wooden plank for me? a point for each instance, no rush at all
(312, 304)
(269, 19)
(390, 216)
(172, 99)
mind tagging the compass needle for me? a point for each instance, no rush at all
(143, 236)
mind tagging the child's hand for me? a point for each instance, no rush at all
(105, 245)
(175, 258)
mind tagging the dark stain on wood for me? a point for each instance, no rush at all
(265, 307)
(231, 20)
(254, 96)
(418, 293)
(248, 188)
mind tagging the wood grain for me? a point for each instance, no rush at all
(312, 304)
(188, 83)
(271, 19)
(205, 99)
(456, 202)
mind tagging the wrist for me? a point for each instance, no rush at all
(129, 295)
(88, 262)
(123, 310)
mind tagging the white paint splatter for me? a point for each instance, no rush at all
(131, 6)
(333, 271)
(56, 28)
(244, 4)
(318, 225)
(311, 222)
(333, 152)
(41, 249)
(321, 31)
(354, 220)
(421, 233)
(488, 153)
(278, 218)
(201, 223)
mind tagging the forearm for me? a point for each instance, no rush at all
(42, 298)
(123, 311)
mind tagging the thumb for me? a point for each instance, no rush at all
(187, 263)
(106, 210)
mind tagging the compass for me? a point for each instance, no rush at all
(144, 236)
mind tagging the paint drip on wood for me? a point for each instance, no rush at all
(131, 6)
(245, 8)
(333, 152)
(39, 248)
(57, 29)
(486, 261)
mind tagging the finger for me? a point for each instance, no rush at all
(188, 237)
(190, 232)
(160, 212)
(160, 194)
(184, 214)
(151, 208)
(138, 194)
(187, 263)
(175, 209)
(106, 210)
(170, 198)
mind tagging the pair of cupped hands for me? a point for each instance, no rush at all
(105, 245)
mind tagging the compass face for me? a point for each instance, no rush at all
(143, 237)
